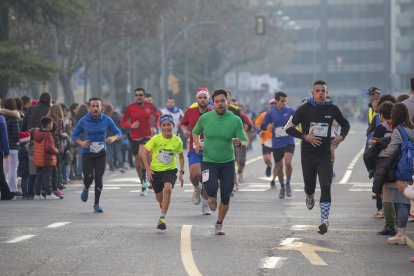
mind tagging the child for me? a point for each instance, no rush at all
(44, 158)
(163, 170)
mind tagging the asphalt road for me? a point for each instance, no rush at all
(265, 235)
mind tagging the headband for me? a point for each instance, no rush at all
(166, 118)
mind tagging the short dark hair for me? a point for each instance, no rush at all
(220, 92)
(412, 83)
(139, 89)
(10, 104)
(45, 121)
(45, 98)
(385, 109)
(26, 99)
(387, 97)
(148, 95)
(280, 94)
(170, 98)
(94, 99)
(19, 103)
(319, 82)
(402, 97)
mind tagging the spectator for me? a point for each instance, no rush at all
(35, 112)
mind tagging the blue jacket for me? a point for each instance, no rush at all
(94, 130)
(4, 140)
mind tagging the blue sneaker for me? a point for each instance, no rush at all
(84, 195)
(97, 209)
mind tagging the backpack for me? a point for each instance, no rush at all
(404, 170)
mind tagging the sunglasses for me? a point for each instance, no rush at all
(139, 95)
(272, 103)
(201, 97)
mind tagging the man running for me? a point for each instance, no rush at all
(93, 128)
(137, 117)
(283, 144)
(190, 119)
(176, 113)
(266, 140)
(316, 116)
(222, 131)
(162, 173)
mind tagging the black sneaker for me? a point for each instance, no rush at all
(288, 190)
(282, 193)
(386, 231)
(161, 224)
(272, 184)
(268, 171)
(310, 201)
(323, 228)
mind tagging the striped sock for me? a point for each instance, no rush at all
(325, 209)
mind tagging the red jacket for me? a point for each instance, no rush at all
(45, 151)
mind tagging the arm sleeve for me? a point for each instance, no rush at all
(345, 126)
(50, 145)
(265, 121)
(15, 129)
(296, 120)
(198, 128)
(113, 128)
(150, 144)
(4, 136)
(184, 121)
(77, 131)
(125, 118)
(156, 115)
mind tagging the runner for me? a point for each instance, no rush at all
(174, 111)
(139, 116)
(163, 170)
(94, 126)
(266, 141)
(283, 144)
(316, 117)
(222, 131)
(190, 119)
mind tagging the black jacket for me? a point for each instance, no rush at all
(33, 116)
(13, 127)
(385, 171)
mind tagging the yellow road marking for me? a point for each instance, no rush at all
(187, 253)
(410, 242)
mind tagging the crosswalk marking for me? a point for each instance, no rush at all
(20, 238)
(57, 224)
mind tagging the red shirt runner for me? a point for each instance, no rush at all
(189, 120)
(142, 114)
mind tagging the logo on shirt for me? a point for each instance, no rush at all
(147, 110)
(328, 117)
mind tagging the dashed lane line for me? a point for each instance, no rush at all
(351, 166)
(57, 224)
(20, 238)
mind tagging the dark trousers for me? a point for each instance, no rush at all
(93, 167)
(321, 166)
(4, 188)
(43, 180)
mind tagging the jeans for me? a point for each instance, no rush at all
(10, 169)
(43, 180)
(28, 185)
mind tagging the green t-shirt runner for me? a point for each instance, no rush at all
(218, 133)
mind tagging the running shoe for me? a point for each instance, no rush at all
(268, 171)
(205, 210)
(161, 224)
(387, 231)
(52, 196)
(288, 191)
(212, 204)
(97, 209)
(84, 195)
(144, 192)
(323, 228)
(273, 184)
(197, 195)
(218, 229)
(145, 184)
(38, 197)
(282, 193)
(59, 193)
(310, 201)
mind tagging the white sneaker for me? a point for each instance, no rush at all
(38, 197)
(218, 229)
(205, 210)
(52, 196)
(197, 195)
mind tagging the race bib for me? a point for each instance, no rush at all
(205, 175)
(268, 143)
(96, 147)
(201, 144)
(165, 157)
(319, 129)
(280, 132)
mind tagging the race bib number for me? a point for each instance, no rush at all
(201, 144)
(268, 143)
(97, 147)
(319, 129)
(280, 132)
(165, 157)
(205, 175)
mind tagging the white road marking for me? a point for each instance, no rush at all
(351, 166)
(300, 227)
(252, 190)
(187, 253)
(111, 188)
(57, 224)
(289, 241)
(273, 262)
(20, 238)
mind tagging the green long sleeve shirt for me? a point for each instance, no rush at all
(218, 132)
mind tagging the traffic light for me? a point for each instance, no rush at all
(260, 25)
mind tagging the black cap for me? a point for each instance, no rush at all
(373, 90)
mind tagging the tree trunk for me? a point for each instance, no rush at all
(65, 80)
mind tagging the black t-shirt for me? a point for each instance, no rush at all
(319, 120)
